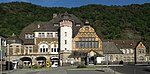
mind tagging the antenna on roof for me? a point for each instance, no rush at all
(38, 26)
(13, 34)
(86, 22)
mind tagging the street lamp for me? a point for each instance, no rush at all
(8, 53)
(149, 56)
(1, 57)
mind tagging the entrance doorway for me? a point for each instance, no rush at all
(26, 61)
(41, 61)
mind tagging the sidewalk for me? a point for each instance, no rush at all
(18, 71)
(100, 69)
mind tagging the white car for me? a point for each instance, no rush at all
(55, 65)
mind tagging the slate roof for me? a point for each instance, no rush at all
(2, 37)
(83, 53)
(49, 26)
(123, 44)
(110, 48)
(14, 39)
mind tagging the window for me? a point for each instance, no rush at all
(40, 49)
(56, 24)
(128, 51)
(43, 35)
(30, 50)
(123, 51)
(93, 39)
(117, 57)
(65, 33)
(58, 50)
(51, 35)
(26, 36)
(128, 59)
(141, 51)
(87, 43)
(141, 58)
(77, 24)
(55, 50)
(92, 44)
(48, 35)
(44, 48)
(131, 50)
(56, 34)
(65, 41)
(39, 35)
(111, 57)
(96, 45)
(29, 36)
(52, 50)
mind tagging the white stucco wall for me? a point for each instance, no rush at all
(66, 36)
(100, 59)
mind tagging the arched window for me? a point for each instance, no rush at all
(54, 49)
(43, 48)
(141, 58)
(141, 51)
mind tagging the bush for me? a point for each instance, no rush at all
(81, 66)
(36, 67)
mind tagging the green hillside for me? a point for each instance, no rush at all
(111, 22)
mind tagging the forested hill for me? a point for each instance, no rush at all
(111, 22)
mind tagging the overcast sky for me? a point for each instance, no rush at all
(77, 3)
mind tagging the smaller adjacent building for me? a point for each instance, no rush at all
(111, 52)
(128, 47)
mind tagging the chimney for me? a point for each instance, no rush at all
(54, 15)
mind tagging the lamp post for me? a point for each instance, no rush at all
(8, 53)
(149, 56)
(1, 55)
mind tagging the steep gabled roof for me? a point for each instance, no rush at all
(110, 48)
(49, 26)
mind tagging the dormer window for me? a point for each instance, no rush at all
(78, 24)
(56, 24)
(29, 36)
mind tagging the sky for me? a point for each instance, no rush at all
(78, 3)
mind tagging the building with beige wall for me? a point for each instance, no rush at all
(65, 39)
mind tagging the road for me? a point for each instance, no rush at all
(59, 70)
(84, 72)
(63, 70)
(132, 69)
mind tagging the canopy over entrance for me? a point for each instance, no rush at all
(25, 59)
(40, 58)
